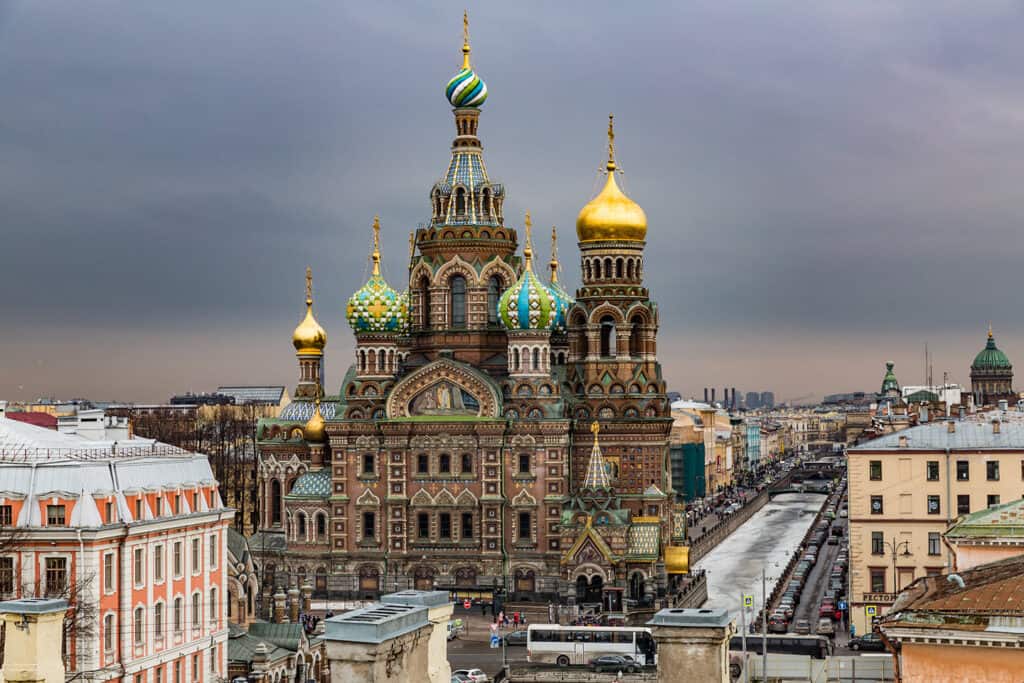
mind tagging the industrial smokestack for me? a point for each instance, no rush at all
(712, 394)
(705, 394)
(733, 402)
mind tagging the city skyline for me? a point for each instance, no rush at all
(163, 203)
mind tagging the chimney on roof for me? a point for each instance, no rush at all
(903, 440)
(951, 427)
(995, 426)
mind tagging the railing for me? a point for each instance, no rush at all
(116, 450)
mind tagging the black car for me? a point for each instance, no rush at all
(515, 638)
(868, 641)
(613, 663)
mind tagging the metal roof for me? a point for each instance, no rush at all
(375, 623)
(254, 394)
(969, 434)
(691, 617)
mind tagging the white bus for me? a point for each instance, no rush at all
(565, 645)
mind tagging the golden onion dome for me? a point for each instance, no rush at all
(611, 216)
(309, 337)
(315, 431)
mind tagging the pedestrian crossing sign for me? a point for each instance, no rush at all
(870, 610)
(748, 600)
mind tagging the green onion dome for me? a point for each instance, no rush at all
(466, 89)
(528, 304)
(376, 307)
(889, 382)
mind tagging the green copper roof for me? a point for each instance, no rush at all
(1003, 521)
(889, 382)
(990, 356)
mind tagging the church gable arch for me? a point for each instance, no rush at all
(444, 387)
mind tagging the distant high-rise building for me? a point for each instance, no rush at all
(767, 399)
(753, 400)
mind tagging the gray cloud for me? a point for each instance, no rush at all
(827, 185)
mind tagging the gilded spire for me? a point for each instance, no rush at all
(376, 246)
(990, 330)
(528, 248)
(412, 248)
(597, 474)
(465, 39)
(553, 263)
(611, 143)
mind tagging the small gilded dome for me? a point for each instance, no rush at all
(315, 429)
(309, 337)
(611, 216)
(375, 307)
(528, 304)
(465, 89)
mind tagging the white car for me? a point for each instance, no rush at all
(475, 675)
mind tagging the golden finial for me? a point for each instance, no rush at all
(309, 286)
(376, 245)
(527, 247)
(595, 427)
(553, 263)
(465, 39)
(990, 330)
(611, 142)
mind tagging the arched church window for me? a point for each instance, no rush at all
(460, 202)
(618, 267)
(515, 359)
(321, 526)
(424, 312)
(301, 526)
(597, 269)
(458, 301)
(275, 502)
(607, 337)
(485, 204)
(536, 359)
(493, 295)
(635, 347)
(608, 268)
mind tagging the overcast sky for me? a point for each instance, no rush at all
(828, 185)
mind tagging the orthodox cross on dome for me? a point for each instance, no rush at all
(465, 39)
(527, 247)
(309, 286)
(611, 143)
(597, 473)
(376, 245)
(553, 263)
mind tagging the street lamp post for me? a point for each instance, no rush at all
(895, 549)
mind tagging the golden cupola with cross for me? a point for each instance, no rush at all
(309, 340)
(611, 216)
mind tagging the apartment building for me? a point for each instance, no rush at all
(908, 487)
(133, 533)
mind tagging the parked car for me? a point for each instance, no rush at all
(868, 641)
(825, 627)
(802, 627)
(515, 638)
(613, 663)
(474, 675)
(460, 678)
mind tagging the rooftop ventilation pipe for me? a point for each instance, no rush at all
(957, 579)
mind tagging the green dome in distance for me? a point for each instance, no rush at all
(990, 357)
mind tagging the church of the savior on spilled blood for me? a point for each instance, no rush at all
(495, 433)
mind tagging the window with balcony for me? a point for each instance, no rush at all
(934, 543)
(932, 470)
(877, 508)
(963, 470)
(875, 470)
(992, 470)
(963, 504)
